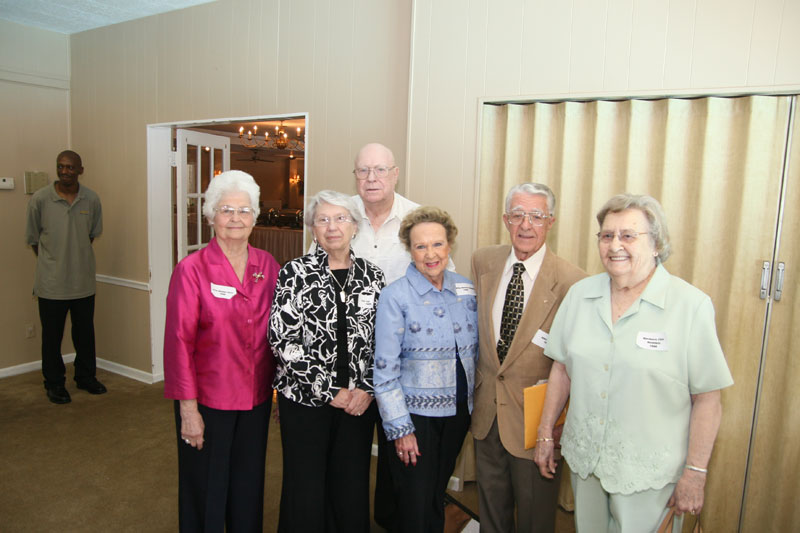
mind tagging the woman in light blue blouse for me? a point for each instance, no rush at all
(636, 350)
(426, 346)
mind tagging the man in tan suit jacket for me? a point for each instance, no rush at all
(507, 476)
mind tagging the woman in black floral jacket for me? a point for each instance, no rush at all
(322, 329)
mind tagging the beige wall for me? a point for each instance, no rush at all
(345, 63)
(34, 128)
(462, 52)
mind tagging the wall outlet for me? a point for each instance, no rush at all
(6, 183)
(30, 331)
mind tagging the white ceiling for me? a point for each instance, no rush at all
(73, 16)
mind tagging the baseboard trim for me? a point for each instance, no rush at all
(111, 366)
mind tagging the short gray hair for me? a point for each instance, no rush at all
(333, 198)
(228, 182)
(533, 189)
(652, 211)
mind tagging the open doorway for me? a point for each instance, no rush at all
(272, 149)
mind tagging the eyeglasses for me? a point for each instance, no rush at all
(536, 218)
(380, 172)
(625, 236)
(337, 220)
(228, 211)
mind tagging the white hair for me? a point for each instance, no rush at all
(228, 182)
(533, 189)
(333, 198)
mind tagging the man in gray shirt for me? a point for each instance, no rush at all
(63, 220)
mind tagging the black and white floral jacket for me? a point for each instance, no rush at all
(302, 327)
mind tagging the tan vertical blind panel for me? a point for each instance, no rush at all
(774, 483)
(713, 163)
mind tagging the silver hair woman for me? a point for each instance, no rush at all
(332, 198)
(217, 365)
(636, 351)
(227, 182)
(322, 332)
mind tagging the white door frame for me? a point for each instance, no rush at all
(160, 160)
(185, 138)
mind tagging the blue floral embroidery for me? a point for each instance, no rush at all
(438, 311)
(415, 327)
(472, 304)
(429, 331)
(456, 327)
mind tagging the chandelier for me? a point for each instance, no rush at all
(279, 139)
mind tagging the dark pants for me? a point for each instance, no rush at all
(506, 483)
(53, 314)
(326, 458)
(385, 506)
(419, 490)
(221, 487)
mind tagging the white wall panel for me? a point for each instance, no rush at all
(588, 45)
(503, 44)
(787, 70)
(649, 24)
(764, 42)
(546, 47)
(619, 46)
(679, 44)
(722, 38)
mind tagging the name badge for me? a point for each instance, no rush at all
(366, 300)
(652, 341)
(223, 291)
(540, 339)
(465, 289)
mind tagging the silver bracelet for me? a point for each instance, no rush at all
(696, 469)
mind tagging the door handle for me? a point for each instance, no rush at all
(764, 280)
(779, 281)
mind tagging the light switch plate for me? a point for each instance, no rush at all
(7, 183)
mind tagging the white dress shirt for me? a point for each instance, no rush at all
(532, 266)
(382, 246)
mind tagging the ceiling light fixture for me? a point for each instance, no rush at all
(280, 139)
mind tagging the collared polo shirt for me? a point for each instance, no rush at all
(65, 267)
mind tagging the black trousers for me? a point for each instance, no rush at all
(419, 490)
(53, 314)
(221, 487)
(326, 458)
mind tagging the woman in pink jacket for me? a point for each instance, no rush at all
(218, 366)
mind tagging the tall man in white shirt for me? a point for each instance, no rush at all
(512, 357)
(382, 210)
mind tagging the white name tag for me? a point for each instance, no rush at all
(465, 289)
(366, 300)
(652, 341)
(223, 291)
(540, 339)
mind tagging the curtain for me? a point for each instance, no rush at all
(715, 164)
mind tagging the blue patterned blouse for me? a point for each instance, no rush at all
(417, 332)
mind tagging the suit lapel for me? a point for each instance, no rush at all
(490, 281)
(538, 307)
